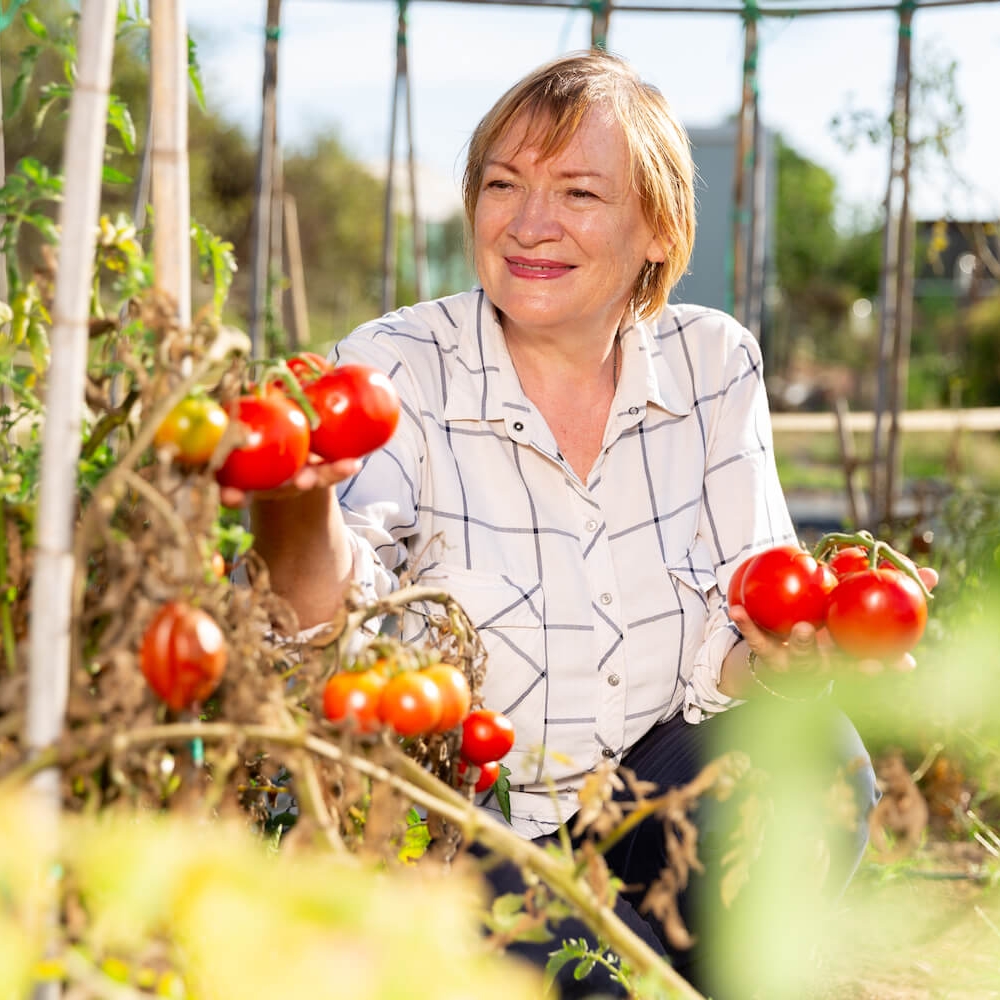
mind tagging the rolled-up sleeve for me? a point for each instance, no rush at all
(744, 511)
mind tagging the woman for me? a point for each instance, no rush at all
(581, 464)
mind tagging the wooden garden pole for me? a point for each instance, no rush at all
(902, 327)
(51, 628)
(389, 214)
(265, 178)
(420, 276)
(4, 290)
(170, 181)
(298, 323)
(599, 23)
(881, 502)
(745, 153)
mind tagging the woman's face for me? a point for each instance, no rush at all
(559, 242)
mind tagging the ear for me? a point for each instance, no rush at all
(656, 252)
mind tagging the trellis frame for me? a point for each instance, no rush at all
(748, 197)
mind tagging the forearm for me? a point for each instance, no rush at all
(735, 679)
(306, 546)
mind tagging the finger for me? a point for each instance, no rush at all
(870, 667)
(229, 496)
(929, 576)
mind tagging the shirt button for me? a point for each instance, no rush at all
(614, 680)
(518, 426)
(605, 598)
(633, 410)
(591, 525)
(608, 752)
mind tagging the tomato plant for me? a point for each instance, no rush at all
(486, 736)
(183, 654)
(455, 694)
(877, 613)
(487, 777)
(358, 410)
(410, 703)
(192, 430)
(353, 696)
(276, 445)
(784, 585)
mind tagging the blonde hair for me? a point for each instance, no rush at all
(557, 97)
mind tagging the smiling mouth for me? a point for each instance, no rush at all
(537, 268)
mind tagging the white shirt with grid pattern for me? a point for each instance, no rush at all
(600, 603)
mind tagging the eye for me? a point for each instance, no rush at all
(581, 193)
(497, 184)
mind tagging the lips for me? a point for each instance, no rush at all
(522, 267)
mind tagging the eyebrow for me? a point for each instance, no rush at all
(562, 175)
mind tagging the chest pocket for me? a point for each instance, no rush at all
(695, 569)
(508, 618)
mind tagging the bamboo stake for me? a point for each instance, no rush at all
(50, 637)
(171, 185)
(265, 178)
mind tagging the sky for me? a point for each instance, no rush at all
(337, 62)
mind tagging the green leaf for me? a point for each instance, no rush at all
(111, 175)
(44, 225)
(501, 789)
(194, 74)
(35, 26)
(38, 346)
(120, 119)
(19, 89)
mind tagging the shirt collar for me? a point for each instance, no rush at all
(485, 386)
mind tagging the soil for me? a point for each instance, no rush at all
(926, 927)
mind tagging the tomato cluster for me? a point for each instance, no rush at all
(870, 598)
(183, 654)
(419, 702)
(356, 411)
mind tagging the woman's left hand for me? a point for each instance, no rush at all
(811, 650)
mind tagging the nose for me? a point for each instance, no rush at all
(535, 220)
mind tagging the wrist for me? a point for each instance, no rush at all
(784, 685)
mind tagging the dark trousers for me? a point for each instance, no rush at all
(812, 783)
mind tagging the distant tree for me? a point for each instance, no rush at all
(820, 269)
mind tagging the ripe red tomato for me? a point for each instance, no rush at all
(353, 696)
(734, 592)
(410, 703)
(876, 613)
(488, 774)
(183, 654)
(192, 429)
(486, 735)
(358, 410)
(455, 694)
(277, 442)
(307, 366)
(784, 585)
(851, 559)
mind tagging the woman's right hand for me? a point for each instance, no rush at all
(314, 475)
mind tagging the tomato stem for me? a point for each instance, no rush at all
(878, 550)
(278, 371)
(834, 540)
